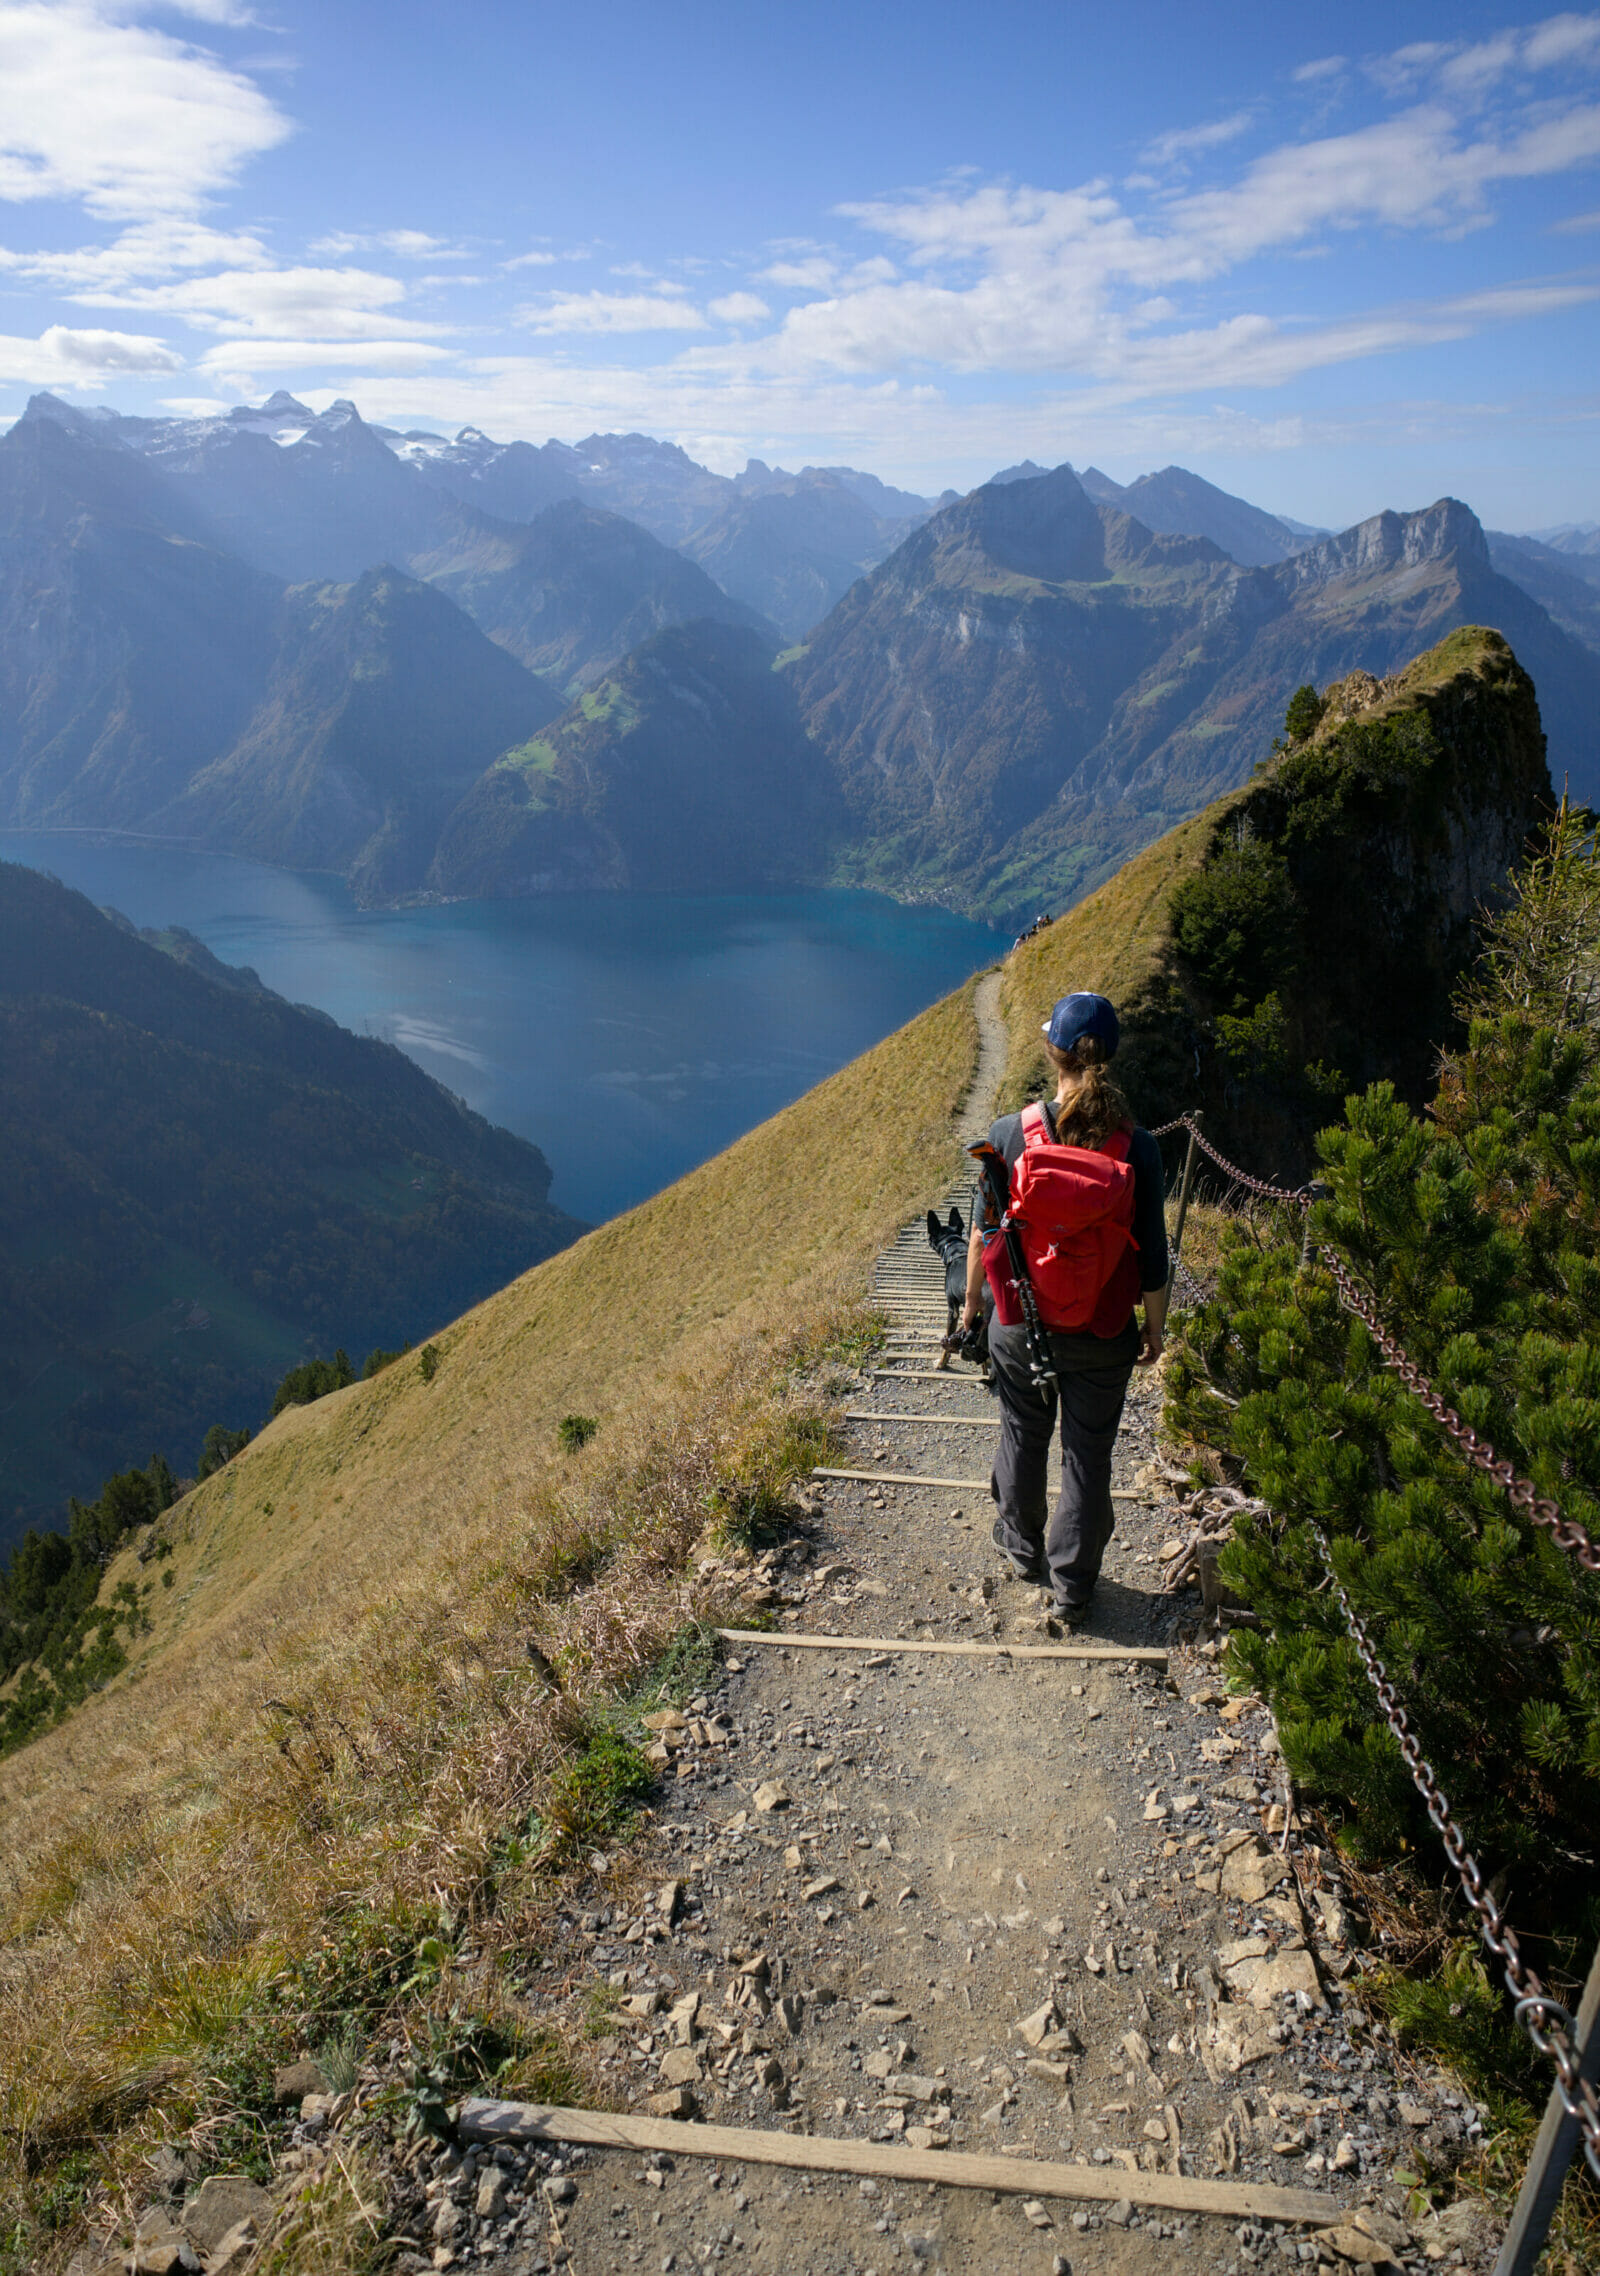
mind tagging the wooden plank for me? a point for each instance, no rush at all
(938, 1422)
(925, 1375)
(894, 1478)
(964, 1485)
(1147, 1655)
(481, 2120)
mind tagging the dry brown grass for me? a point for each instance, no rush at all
(1112, 942)
(335, 1719)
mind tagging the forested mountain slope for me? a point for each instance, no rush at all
(382, 706)
(685, 770)
(200, 1182)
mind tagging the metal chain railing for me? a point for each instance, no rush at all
(1566, 1532)
(1300, 1195)
(1548, 2024)
(1521, 1492)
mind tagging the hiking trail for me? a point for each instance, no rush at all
(1041, 1908)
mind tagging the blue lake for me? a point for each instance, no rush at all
(629, 1036)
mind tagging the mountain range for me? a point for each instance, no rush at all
(447, 667)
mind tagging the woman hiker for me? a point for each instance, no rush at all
(1093, 1361)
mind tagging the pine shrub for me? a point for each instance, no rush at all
(1477, 1231)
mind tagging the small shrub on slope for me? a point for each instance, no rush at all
(1479, 1236)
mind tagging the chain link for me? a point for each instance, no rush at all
(1565, 1531)
(1300, 1195)
(1521, 1492)
(1547, 2023)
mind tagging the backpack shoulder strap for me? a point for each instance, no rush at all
(1036, 1130)
(1120, 1143)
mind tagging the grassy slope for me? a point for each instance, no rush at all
(1112, 942)
(372, 1491)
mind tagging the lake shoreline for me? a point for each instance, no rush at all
(629, 1036)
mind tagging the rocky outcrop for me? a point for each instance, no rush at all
(1305, 936)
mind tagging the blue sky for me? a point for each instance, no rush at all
(1336, 260)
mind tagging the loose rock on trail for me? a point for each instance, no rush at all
(1045, 1909)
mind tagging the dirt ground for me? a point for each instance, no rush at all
(890, 1862)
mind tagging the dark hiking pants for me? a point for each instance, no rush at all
(1093, 1372)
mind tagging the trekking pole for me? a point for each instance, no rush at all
(1552, 2150)
(1185, 1187)
(1041, 1360)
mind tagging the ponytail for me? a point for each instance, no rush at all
(1092, 1105)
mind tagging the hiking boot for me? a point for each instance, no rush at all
(1031, 1570)
(1073, 1612)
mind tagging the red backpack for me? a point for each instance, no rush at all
(1073, 1206)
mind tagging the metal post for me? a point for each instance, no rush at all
(1552, 2150)
(1187, 1182)
(1318, 1192)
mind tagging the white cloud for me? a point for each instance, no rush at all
(329, 304)
(126, 119)
(738, 308)
(1182, 142)
(540, 259)
(1574, 222)
(310, 355)
(1015, 278)
(1561, 40)
(813, 272)
(110, 351)
(71, 359)
(224, 12)
(407, 244)
(1323, 67)
(161, 248)
(660, 311)
(1479, 67)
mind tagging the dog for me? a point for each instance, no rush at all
(949, 1244)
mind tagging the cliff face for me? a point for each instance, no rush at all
(1304, 936)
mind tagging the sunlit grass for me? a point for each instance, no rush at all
(337, 1747)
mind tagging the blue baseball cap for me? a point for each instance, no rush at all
(1079, 1015)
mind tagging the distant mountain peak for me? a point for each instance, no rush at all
(1386, 542)
(1027, 470)
(98, 421)
(1101, 488)
(280, 404)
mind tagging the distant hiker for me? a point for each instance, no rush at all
(1094, 1182)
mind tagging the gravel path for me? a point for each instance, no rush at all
(1043, 1908)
